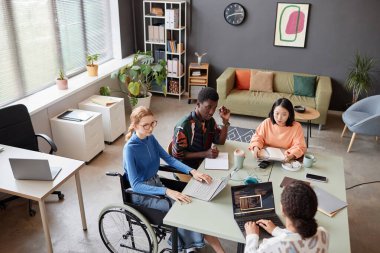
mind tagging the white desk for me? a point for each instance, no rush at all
(216, 217)
(39, 190)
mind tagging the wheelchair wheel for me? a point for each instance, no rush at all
(124, 229)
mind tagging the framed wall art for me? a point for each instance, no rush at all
(291, 24)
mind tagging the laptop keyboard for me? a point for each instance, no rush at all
(263, 233)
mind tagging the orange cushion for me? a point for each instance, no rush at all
(261, 81)
(242, 79)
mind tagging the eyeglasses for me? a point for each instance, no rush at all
(148, 126)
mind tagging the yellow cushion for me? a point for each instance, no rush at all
(261, 81)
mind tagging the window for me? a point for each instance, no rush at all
(38, 37)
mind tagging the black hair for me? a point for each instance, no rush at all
(299, 204)
(208, 93)
(283, 102)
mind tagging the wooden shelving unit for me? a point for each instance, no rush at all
(198, 79)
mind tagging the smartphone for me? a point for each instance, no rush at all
(316, 177)
(264, 164)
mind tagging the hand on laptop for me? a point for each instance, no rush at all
(251, 228)
(201, 177)
(267, 225)
(177, 196)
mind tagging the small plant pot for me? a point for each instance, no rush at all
(92, 70)
(62, 84)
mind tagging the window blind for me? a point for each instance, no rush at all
(39, 37)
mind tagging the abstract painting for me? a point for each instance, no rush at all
(291, 24)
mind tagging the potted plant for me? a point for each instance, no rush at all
(61, 81)
(359, 79)
(92, 68)
(135, 79)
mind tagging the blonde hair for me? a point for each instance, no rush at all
(137, 114)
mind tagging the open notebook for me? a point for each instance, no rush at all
(272, 154)
(219, 163)
(205, 191)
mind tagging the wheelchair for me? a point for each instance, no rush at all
(135, 228)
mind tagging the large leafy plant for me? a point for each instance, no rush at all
(359, 79)
(136, 78)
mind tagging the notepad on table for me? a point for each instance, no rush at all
(219, 163)
(328, 203)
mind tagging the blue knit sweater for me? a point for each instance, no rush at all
(141, 158)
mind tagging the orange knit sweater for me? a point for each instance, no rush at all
(290, 138)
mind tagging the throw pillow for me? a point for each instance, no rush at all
(304, 85)
(261, 81)
(242, 77)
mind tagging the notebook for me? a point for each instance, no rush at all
(328, 203)
(219, 163)
(33, 169)
(204, 191)
(253, 202)
(75, 115)
(272, 154)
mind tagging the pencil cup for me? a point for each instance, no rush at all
(239, 157)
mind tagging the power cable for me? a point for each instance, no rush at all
(356, 185)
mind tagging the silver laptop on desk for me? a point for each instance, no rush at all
(33, 169)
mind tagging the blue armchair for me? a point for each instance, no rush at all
(363, 117)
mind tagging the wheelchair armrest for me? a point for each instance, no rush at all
(167, 168)
(53, 147)
(163, 197)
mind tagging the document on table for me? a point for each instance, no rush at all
(219, 163)
(204, 191)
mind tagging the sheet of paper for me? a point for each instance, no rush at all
(219, 163)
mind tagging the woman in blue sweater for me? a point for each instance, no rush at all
(141, 156)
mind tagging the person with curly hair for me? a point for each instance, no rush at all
(302, 234)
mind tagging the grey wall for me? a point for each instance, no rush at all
(336, 29)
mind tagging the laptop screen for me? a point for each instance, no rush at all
(252, 198)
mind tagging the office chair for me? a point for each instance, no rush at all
(16, 130)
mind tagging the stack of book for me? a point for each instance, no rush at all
(156, 33)
(175, 68)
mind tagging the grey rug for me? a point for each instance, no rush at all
(240, 134)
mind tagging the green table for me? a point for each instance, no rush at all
(216, 217)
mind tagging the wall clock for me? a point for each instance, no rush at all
(234, 14)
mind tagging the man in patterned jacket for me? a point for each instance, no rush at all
(194, 134)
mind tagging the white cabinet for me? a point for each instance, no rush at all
(81, 140)
(113, 115)
(165, 36)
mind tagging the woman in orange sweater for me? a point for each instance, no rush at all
(280, 131)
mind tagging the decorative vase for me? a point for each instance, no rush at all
(62, 84)
(92, 70)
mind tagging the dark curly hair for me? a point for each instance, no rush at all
(208, 93)
(300, 203)
(283, 102)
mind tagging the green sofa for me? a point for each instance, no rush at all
(255, 103)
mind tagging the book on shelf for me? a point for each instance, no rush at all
(200, 81)
(327, 203)
(179, 48)
(196, 73)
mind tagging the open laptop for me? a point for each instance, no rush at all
(253, 202)
(33, 169)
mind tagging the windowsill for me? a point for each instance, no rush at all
(49, 96)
